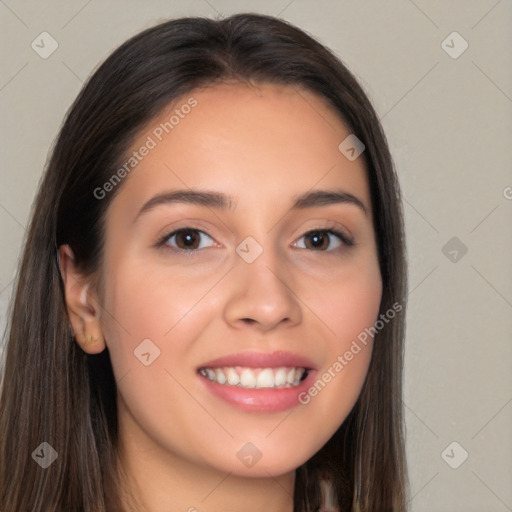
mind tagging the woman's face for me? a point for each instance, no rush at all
(254, 289)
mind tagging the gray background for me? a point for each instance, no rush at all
(448, 121)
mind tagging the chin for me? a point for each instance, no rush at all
(249, 461)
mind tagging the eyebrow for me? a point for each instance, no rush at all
(221, 201)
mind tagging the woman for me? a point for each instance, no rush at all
(209, 311)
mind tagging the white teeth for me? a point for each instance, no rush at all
(233, 377)
(255, 378)
(248, 379)
(219, 376)
(265, 379)
(280, 377)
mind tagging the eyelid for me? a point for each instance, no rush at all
(346, 241)
(191, 224)
(162, 241)
(333, 227)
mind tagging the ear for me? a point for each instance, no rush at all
(82, 304)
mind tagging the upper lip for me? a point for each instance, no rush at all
(261, 360)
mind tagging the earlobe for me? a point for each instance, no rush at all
(81, 303)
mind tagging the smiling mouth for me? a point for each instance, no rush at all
(256, 378)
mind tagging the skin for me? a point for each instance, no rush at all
(263, 145)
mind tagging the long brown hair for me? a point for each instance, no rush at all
(54, 392)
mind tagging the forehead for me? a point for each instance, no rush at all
(250, 141)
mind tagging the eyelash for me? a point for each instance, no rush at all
(162, 242)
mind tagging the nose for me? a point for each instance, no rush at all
(262, 294)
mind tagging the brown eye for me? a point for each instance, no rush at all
(186, 239)
(320, 240)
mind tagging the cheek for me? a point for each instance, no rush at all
(349, 302)
(349, 307)
(150, 301)
(352, 306)
(151, 331)
(144, 305)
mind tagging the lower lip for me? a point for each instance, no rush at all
(259, 400)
